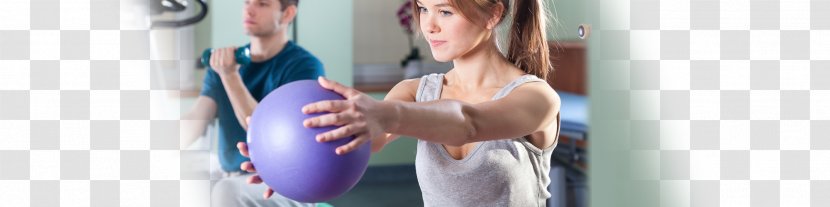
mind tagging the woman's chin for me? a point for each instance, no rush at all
(441, 58)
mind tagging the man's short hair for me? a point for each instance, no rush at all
(286, 3)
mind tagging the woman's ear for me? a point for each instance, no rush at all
(497, 15)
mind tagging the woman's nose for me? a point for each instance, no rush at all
(431, 26)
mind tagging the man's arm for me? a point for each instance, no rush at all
(243, 103)
(196, 120)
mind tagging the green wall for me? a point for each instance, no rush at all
(568, 15)
(324, 27)
(226, 23)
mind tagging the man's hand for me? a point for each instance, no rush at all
(223, 61)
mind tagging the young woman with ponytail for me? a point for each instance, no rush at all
(486, 128)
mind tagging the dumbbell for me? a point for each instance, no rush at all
(242, 56)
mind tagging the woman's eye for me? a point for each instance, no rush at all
(422, 9)
(446, 13)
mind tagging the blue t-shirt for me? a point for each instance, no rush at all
(291, 64)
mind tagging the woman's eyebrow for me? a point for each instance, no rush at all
(437, 5)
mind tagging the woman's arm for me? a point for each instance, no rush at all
(403, 91)
(529, 108)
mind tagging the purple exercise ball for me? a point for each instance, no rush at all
(288, 157)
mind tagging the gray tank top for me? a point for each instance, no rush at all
(507, 172)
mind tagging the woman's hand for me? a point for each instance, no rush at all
(359, 115)
(248, 166)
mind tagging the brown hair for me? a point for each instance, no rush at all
(527, 45)
(286, 3)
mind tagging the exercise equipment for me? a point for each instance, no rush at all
(286, 153)
(158, 7)
(242, 56)
(173, 35)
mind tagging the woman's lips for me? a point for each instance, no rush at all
(436, 43)
(249, 22)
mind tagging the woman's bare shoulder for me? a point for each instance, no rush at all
(540, 90)
(404, 90)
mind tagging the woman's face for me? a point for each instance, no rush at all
(449, 34)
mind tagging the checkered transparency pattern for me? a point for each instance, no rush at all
(728, 101)
(84, 118)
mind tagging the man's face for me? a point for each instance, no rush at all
(262, 17)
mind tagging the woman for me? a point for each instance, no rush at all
(486, 128)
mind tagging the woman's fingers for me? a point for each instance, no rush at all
(254, 179)
(247, 166)
(353, 145)
(326, 106)
(338, 133)
(268, 193)
(345, 91)
(333, 119)
(243, 149)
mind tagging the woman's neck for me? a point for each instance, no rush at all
(483, 67)
(266, 47)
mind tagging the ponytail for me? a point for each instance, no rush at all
(528, 47)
